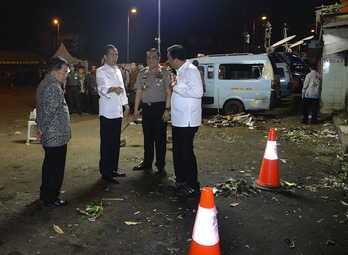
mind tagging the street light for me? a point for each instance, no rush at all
(158, 39)
(262, 18)
(56, 22)
(133, 10)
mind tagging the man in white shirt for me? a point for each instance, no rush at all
(113, 105)
(186, 116)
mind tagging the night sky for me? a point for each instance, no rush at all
(105, 22)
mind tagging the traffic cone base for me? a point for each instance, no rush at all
(269, 172)
(197, 248)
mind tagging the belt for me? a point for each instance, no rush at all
(149, 104)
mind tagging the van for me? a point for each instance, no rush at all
(298, 67)
(239, 82)
(286, 80)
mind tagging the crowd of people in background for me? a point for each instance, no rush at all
(81, 90)
(10, 76)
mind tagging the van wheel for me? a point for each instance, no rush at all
(233, 106)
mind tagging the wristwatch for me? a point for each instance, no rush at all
(167, 109)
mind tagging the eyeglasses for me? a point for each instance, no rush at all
(64, 72)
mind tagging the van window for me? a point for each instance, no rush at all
(210, 72)
(281, 72)
(240, 71)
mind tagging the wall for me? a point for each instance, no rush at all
(334, 96)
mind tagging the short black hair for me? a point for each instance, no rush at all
(177, 52)
(154, 50)
(107, 48)
(195, 62)
(313, 66)
(56, 63)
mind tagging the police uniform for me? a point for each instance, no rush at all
(153, 85)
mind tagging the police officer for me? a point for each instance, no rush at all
(72, 90)
(152, 88)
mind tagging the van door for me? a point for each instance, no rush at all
(209, 76)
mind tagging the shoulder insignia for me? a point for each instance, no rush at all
(144, 69)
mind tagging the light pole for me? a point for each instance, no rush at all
(262, 18)
(158, 39)
(133, 10)
(56, 22)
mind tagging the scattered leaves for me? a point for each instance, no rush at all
(93, 210)
(57, 229)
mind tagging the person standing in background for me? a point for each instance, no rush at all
(113, 106)
(92, 88)
(83, 91)
(186, 116)
(152, 88)
(311, 94)
(72, 89)
(131, 90)
(53, 128)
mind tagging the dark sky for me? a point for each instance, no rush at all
(105, 22)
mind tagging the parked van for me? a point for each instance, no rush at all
(239, 82)
(298, 67)
(286, 80)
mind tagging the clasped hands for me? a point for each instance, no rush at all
(117, 90)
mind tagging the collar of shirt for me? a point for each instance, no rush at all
(184, 66)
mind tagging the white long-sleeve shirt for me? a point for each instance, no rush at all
(110, 104)
(186, 105)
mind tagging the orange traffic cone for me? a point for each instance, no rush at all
(205, 236)
(269, 172)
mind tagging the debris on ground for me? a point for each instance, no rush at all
(240, 119)
(233, 187)
(93, 210)
(57, 229)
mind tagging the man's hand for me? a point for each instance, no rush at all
(165, 116)
(126, 112)
(38, 133)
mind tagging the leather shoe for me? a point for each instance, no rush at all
(141, 166)
(161, 172)
(111, 179)
(119, 174)
(58, 202)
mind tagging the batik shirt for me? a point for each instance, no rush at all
(52, 113)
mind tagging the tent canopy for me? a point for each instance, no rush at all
(63, 52)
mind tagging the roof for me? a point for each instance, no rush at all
(20, 58)
(63, 52)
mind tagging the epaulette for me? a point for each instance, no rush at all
(144, 69)
(163, 68)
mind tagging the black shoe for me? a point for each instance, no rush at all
(161, 171)
(58, 202)
(119, 174)
(188, 192)
(177, 186)
(141, 166)
(111, 179)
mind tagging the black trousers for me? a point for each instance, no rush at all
(313, 105)
(73, 98)
(93, 103)
(185, 163)
(155, 133)
(110, 133)
(52, 172)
